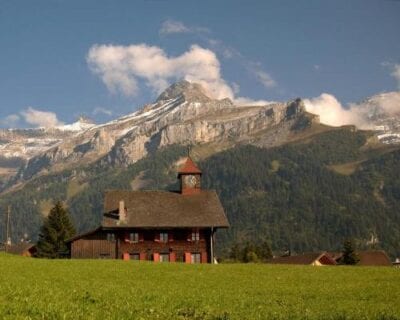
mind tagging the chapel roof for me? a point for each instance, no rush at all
(189, 167)
(164, 209)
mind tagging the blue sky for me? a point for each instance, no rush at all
(92, 57)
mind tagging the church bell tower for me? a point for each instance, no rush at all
(190, 178)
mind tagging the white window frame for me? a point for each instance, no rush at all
(164, 237)
(111, 236)
(195, 235)
(134, 237)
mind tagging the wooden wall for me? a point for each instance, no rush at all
(93, 246)
(179, 242)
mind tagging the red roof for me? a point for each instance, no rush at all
(305, 258)
(373, 258)
(189, 167)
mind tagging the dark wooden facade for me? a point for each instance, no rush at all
(157, 226)
(182, 245)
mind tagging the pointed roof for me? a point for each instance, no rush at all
(189, 167)
(164, 209)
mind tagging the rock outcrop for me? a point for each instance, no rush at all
(182, 114)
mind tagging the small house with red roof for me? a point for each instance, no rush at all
(312, 259)
(159, 226)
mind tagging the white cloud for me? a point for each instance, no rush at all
(388, 102)
(244, 101)
(172, 26)
(100, 110)
(10, 120)
(235, 87)
(396, 74)
(333, 113)
(226, 51)
(254, 68)
(120, 68)
(265, 79)
(40, 118)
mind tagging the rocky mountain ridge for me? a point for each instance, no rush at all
(182, 114)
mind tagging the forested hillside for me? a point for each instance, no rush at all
(295, 197)
(303, 196)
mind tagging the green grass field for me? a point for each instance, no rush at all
(73, 289)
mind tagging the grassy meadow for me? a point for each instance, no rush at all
(107, 289)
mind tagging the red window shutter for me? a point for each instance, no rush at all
(204, 257)
(157, 237)
(201, 233)
(170, 236)
(188, 257)
(142, 256)
(125, 256)
(172, 257)
(156, 257)
(141, 237)
(189, 235)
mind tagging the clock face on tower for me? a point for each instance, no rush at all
(190, 181)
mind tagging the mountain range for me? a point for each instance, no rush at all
(76, 163)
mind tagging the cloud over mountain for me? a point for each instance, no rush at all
(121, 67)
(362, 114)
(332, 112)
(10, 120)
(40, 118)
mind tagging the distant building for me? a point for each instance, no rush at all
(25, 249)
(373, 258)
(367, 258)
(159, 226)
(313, 259)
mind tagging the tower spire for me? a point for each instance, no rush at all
(190, 177)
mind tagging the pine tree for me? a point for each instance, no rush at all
(235, 253)
(249, 253)
(56, 229)
(264, 251)
(349, 257)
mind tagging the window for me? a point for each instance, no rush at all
(195, 258)
(134, 237)
(195, 235)
(164, 257)
(163, 236)
(111, 237)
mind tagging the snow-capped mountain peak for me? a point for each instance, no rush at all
(83, 123)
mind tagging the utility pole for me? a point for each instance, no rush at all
(8, 238)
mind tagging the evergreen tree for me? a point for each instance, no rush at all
(249, 253)
(235, 253)
(264, 251)
(56, 229)
(349, 257)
